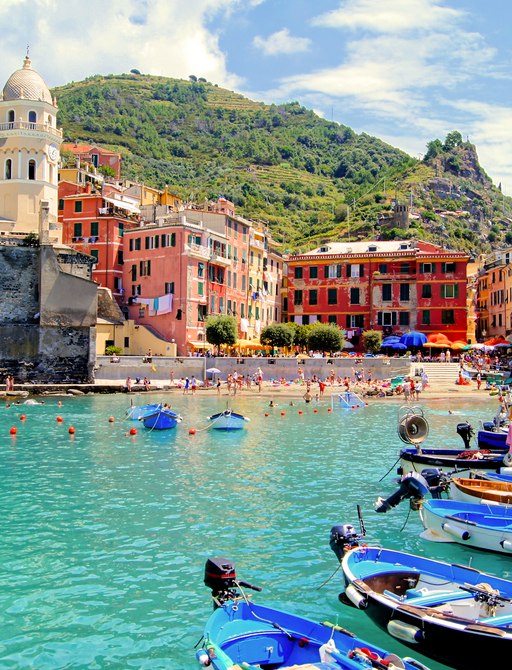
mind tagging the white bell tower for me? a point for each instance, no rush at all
(29, 155)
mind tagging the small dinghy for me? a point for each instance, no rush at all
(160, 419)
(240, 634)
(227, 420)
(476, 525)
(491, 492)
(456, 615)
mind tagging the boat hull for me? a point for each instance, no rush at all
(450, 626)
(136, 413)
(227, 421)
(241, 632)
(476, 525)
(413, 460)
(161, 420)
(494, 440)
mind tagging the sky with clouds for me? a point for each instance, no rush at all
(407, 71)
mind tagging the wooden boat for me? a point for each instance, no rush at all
(160, 419)
(134, 413)
(240, 634)
(454, 614)
(227, 420)
(477, 525)
(467, 489)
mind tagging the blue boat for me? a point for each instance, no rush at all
(241, 634)
(227, 420)
(456, 615)
(134, 413)
(477, 525)
(161, 419)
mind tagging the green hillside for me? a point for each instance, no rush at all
(309, 179)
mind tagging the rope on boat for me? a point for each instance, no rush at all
(211, 424)
(387, 473)
(329, 578)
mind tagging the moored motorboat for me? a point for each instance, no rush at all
(227, 420)
(454, 614)
(473, 490)
(477, 525)
(413, 429)
(160, 419)
(241, 634)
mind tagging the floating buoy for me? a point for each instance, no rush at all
(329, 409)
(13, 430)
(315, 411)
(59, 419)
(133, 431)
(111, 419)
(191, 431)
(300, 411)
(23, 417)
(71, 430)
(282, 413)
(266, 413)
(353, 406)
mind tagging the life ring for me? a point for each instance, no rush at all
(413, 429)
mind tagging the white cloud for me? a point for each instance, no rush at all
(73, 40)
(281, 42)
(390, 16)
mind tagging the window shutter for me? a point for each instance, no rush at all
(443, 268)
(443, 289)
(348, 320)
(456, 291)
(379, 319)
(393, 318)
(326, 271)
(338, 271)
(349, 269)
(361, 270)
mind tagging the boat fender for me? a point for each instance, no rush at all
(507, 459)
(203, 658)
(506, 544)
(356, 598)
(404, 631)
(505, 471)
(456, 532)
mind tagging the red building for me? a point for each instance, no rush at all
(94, 224)
(394, 286)
(97, 156)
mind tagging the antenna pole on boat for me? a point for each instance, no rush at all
(361, 522)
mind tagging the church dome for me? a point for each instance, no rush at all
(26, 84)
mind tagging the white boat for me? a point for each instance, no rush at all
(227, 420)
(476, 525)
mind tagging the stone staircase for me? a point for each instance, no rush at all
(440, 375)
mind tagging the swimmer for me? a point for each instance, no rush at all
(272, 404)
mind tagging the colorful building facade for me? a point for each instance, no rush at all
(394, 287)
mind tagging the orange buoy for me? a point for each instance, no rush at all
(111, 419)
(192, 431)
(23, 417)
(329, 409)
(315, 411)
(266, 413)
(353, 407)
(300, 411)
(282, 413)
(13, 430)
(71, 430)
(59, 419)
(133, 431)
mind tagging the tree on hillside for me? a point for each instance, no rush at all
(372, 340)
(325, 337)
(277, 335)
(221, 330)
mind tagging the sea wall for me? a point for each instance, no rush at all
(160, 367)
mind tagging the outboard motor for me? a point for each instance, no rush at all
(220, 577)
(343, 537)
(465, 430)
(414, 485)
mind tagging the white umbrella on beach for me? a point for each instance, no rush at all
(214, 371)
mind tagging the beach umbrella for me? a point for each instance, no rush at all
(214, 371)
(493, 341)
(399, 346)
(413, 339)
(438, 337)
(459, 345)
(349, 345)
(390, 338)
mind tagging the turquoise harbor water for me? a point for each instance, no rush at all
(105, 536)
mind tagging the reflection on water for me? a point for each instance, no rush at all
(105, 535)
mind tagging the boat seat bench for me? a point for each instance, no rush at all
(429, 599)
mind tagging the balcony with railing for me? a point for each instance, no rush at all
(6, 129)
(198, 251)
